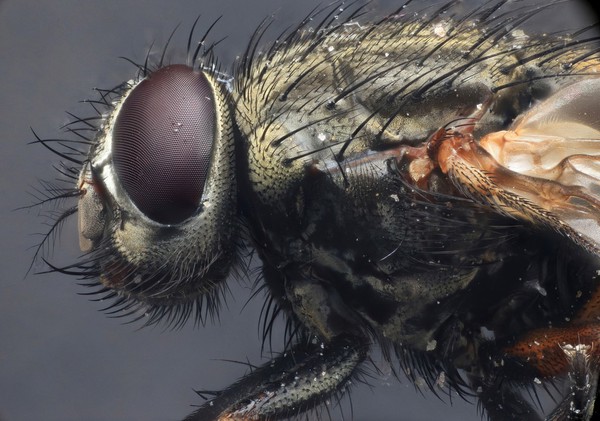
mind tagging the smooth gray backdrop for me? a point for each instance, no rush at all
(60, 358)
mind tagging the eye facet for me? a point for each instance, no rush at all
(162, 143)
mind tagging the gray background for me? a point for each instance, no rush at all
(61, 359)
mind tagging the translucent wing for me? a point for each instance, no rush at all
(545, 169)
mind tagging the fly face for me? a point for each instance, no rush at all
(157, 193)
(379, 172)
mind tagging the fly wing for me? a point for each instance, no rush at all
(546, 169)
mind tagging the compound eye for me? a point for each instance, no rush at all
(162, 142)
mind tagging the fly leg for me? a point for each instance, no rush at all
(502, 401)
(292, 383)
(583, 383)
(571, 349)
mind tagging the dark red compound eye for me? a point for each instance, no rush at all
(162, 142)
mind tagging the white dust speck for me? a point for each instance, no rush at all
(439, 30)
(431, 345)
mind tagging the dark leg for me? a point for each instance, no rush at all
(578, 405)
(502, 401)
(292, 383)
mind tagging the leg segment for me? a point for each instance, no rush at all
(502, 401)
(292, 383)
(578, 405)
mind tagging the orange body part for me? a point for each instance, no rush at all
(481, 177)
